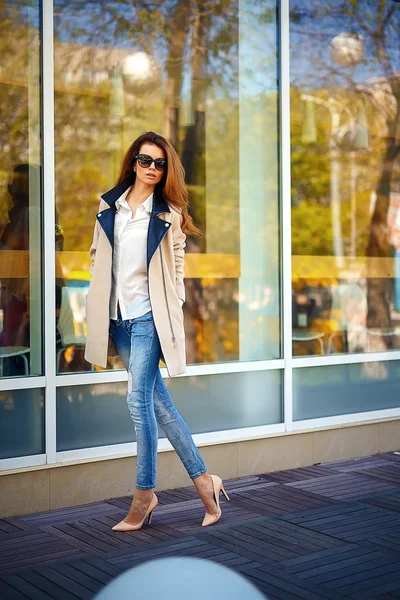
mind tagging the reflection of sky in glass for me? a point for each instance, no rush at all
(258, 34)
(25, 12)
(110, 24)
(313, 24)
(117, 24)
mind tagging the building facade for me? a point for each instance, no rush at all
(286, 117)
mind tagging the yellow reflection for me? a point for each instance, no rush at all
(75, 265)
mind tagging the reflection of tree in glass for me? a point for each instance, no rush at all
(193, 92)
(193, 43)
(15, 39)
(374, 82)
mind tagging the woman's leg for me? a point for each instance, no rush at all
(143, 366)
(130, 339)
(137, 343)
(127, 343)
(176, 429)
(181, 439)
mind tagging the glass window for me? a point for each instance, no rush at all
(207, 80)
(345, 389)
(345, 104)
(21, 423)
(97, 415)
(20, 191)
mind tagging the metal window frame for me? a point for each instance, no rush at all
(285, 207)
(21, 462)
(49, 229)
(50, 381)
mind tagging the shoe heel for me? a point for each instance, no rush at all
(225, 494)
(149, 517)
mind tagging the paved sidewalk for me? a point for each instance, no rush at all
(323, 532)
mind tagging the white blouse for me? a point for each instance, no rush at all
(129, 270)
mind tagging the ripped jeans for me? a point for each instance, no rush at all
(149, 402)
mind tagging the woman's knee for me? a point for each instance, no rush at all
(140, 400)
(134, 409)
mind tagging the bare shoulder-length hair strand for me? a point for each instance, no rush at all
(172, 185)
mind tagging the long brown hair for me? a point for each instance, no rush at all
(172, 185)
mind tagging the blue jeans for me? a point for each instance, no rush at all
(149, 402)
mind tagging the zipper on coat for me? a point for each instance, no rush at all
(166, 299)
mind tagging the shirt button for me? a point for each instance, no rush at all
(166, 224)
(99, 215)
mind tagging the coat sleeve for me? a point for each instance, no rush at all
(179, 240)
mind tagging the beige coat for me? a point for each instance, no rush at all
(165, 259)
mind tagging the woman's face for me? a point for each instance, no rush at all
(150, 175)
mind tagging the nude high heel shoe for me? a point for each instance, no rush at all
(124, 526)
(217, 487)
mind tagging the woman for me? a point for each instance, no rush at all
(136, 296)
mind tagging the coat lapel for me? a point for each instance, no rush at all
(106, 217)
(158, 227)
(112, 195)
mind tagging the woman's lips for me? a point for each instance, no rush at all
(150, 175)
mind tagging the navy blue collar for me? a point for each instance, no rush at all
(159, 203)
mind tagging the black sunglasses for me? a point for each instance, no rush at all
(145, 161)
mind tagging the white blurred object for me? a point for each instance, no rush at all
(69, 318)
(381, 93)
(179, 579)
(140, 72)
(350, 308)
(349, 301)
(137, 65)
(347, 49)
(72, 320)
(393, 220)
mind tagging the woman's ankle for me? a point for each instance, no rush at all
(202, 480)
(143, 495)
